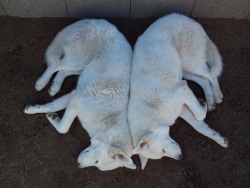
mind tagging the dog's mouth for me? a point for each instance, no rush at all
(79, 165)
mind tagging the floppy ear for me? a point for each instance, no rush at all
(142, 144)
(121, 157)
(144, 161)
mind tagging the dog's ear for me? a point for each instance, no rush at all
(142, 143)
(144, 161)
(118, 155)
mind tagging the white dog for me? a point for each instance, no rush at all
(73, 48)
(173, 47)
(101, 97)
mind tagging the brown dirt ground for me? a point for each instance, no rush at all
(33, 154)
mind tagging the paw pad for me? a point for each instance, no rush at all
(52, 116)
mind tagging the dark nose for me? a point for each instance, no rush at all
(180, 157)
(79, 165)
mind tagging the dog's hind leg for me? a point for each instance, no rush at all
(194, 105)
(44, 79)
(69, 65)
(205, 85)
(58, 80)
(54, 106)
(216, 90)
(202, 127)
(62, 125)
(215, 65)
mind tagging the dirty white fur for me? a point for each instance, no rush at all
(200, 58)
(101, 97)
(73, 48)
(171, 47)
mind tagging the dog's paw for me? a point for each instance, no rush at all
(52, 116)
(211, 107)
(203, 112)
(226, 143)
(31, 109)
(219, 98)
(38, 87)
(53, 91)
(211, 104)
(26, 110)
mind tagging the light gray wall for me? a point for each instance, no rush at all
(98, 8)
(156, 8)
(35, 8)
(221, 9)
(2, 12)
(132, 9)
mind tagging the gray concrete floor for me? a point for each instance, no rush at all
(33, 154)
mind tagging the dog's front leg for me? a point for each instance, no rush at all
(62, 125)
(202, 127)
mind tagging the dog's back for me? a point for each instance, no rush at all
(101, 103)
(191, 42)
(74, 47)
(104, 85)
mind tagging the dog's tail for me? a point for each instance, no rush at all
(214, 61)
(55, 51)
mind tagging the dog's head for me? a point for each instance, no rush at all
(156, 145)
(104, 157)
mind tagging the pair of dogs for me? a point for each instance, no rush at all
(127, 100)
